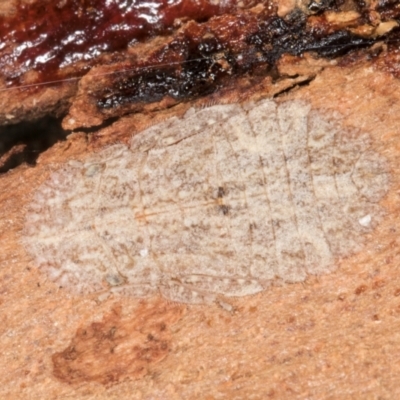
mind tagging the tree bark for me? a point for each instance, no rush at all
(332, 336)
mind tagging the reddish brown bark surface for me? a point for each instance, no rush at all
(335, 336)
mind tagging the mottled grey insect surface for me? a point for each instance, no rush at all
(223, 201)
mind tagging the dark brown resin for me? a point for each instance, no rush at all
(47, 36)
(205, 57)
(388, 9)
(145, 56)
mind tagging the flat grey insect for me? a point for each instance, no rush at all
(222, 201)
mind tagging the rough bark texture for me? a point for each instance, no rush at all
(335, 336)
